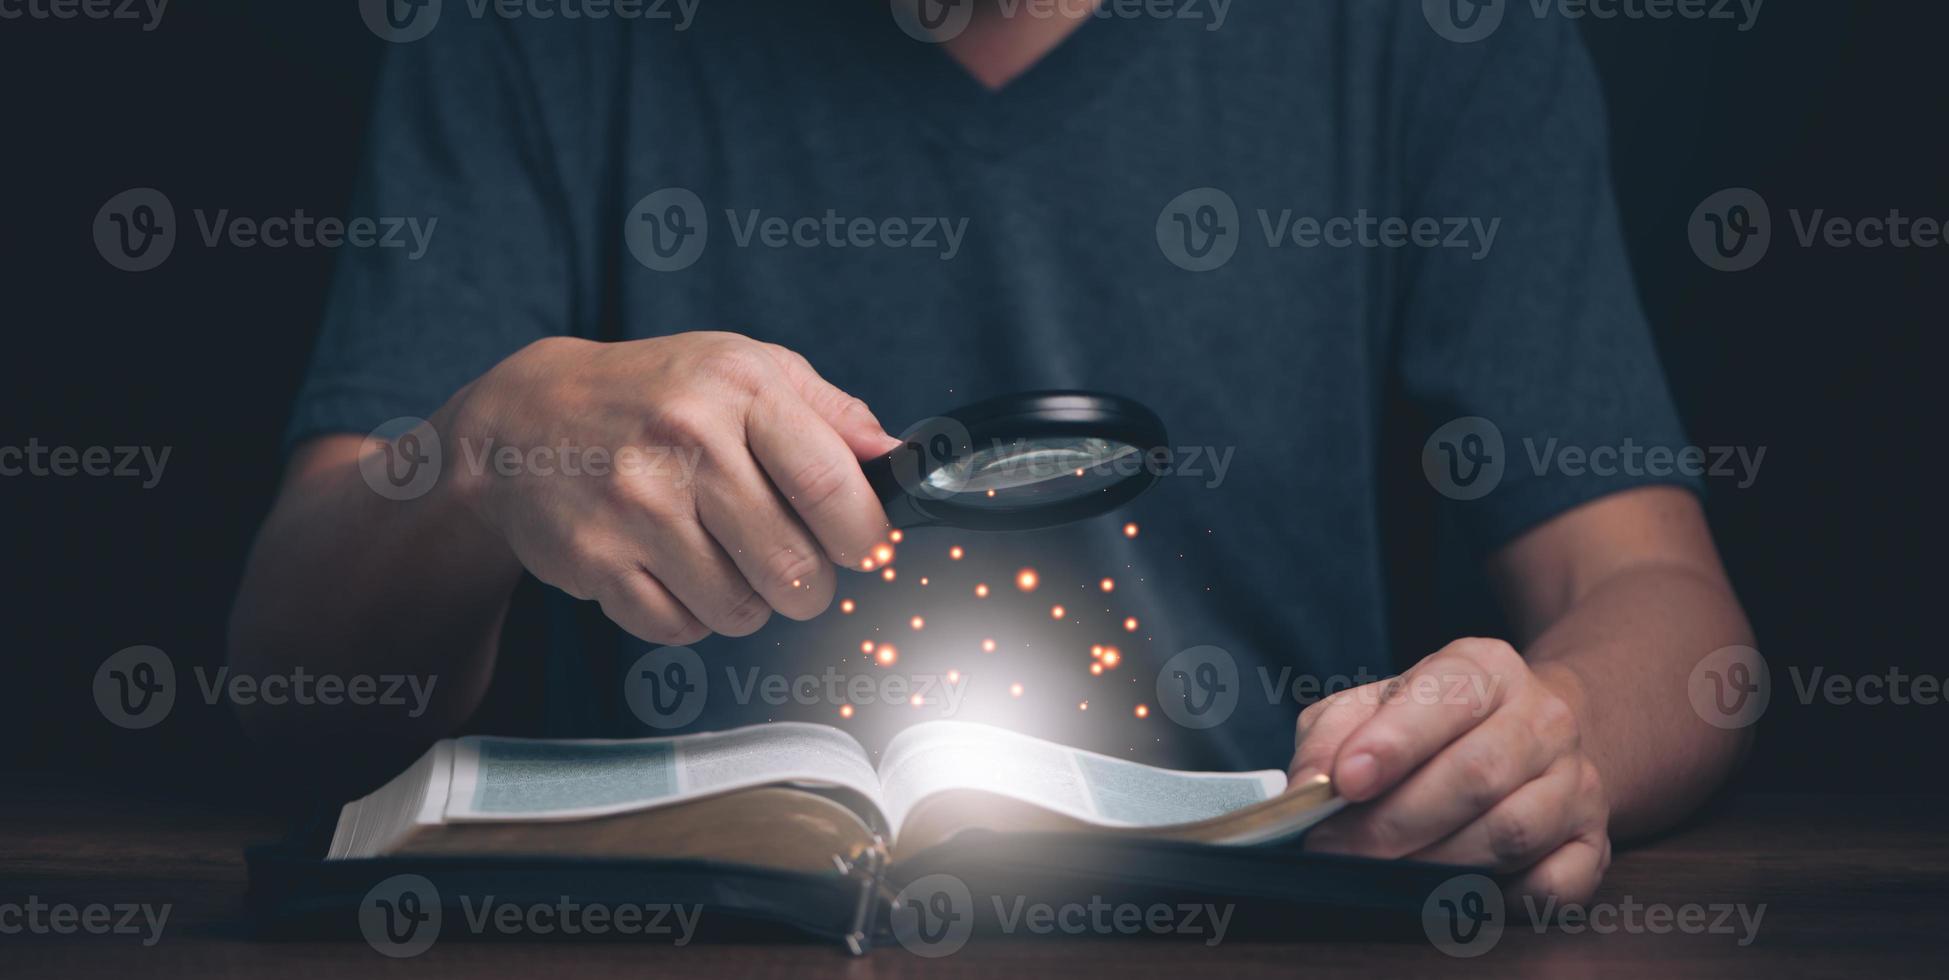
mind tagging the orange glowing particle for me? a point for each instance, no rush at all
(1079, 471)
(1112, 656)
(917, 622)
(1130, 624)
(916, 701)
(887, 655)
(867, 564)
(1143, 711)
(1082, 706)
(923, 580)
(954, 677)
(1015, 689)
(1107, 585)
(1130, 530)
(988, 646)
(896, 536)
(991, 493)
(955, 553)
(1056, 612)
(795, 583)
(845, 711)
(981, 591)
(1096, 669)
(883, 553)
(1026, 580)
(887, 574)
(846, 605)
(866, 646)
(1096, 650)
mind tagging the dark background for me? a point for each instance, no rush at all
(1825, 357)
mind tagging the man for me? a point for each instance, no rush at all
(542, 319)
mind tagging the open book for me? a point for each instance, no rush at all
(795, 796)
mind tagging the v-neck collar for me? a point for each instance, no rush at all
(946, 99)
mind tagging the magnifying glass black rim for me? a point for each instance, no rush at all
(1031, 415)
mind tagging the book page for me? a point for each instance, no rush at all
(556, 779)
(1100, 789)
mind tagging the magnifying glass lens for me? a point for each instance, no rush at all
(1032, 472)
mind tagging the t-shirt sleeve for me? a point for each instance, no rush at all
(1541, 343)
(455, 142)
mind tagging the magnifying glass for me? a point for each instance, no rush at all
(1019, 462)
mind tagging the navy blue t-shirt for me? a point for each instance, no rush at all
(1268, 232)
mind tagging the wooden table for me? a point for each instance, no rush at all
(1852, 886)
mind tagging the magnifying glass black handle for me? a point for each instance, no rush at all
(882, 475)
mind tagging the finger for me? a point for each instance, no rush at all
(637, 602)
(1571, 873)
(1322, 727)
(772, 549)
(694, 568)
(1524, 827)
(848, 416)
(817, 475)
(1472, 776)
(1447, 694)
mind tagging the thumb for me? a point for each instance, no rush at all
(1322, 728)
(848, 416)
